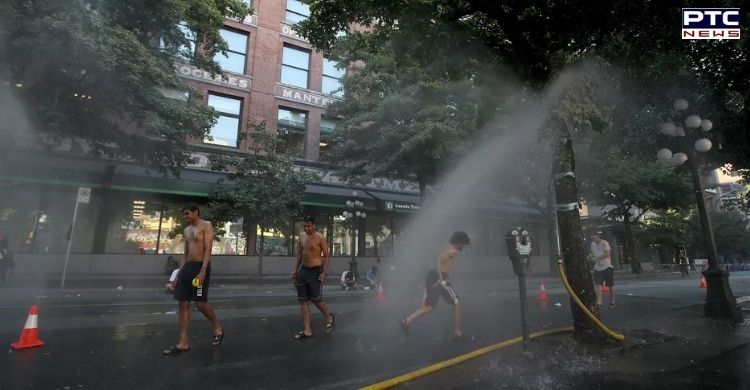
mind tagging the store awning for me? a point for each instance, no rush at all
(336, 197)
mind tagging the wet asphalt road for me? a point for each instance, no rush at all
(109, 339)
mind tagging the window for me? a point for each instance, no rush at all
(183, 51)
(296, 11)
(227, 125)
(236, 56)
(294, 67)
(292, 129)
(332, 78)
(327, 141)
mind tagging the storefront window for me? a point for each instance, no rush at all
(342, 237)
(37, 218)
(378, 239)
(272, 241)
(134, 227)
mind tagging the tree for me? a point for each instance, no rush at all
(97, 70)
(631, 35)
(633, 186)
(263, 189)
(672, 227)
(419, 108)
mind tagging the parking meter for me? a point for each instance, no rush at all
(518, 243)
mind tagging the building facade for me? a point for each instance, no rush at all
(271, 75)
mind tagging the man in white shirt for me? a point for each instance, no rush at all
(603, 271)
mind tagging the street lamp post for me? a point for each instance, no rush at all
(353, 214)
(690, 140)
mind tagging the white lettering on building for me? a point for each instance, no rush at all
(227, 80)
(289, 31)
(302, 96)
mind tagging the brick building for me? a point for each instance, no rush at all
(270, 74)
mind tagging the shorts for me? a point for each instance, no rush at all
(608, 276)
(184, 291)
(435, 290)
(309, 287)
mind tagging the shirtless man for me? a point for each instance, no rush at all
(437, 286)
(309, 275)
(195, 263)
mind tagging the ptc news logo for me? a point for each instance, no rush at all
(710, 23)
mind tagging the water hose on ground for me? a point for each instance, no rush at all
(609, 332)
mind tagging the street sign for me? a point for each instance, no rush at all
(84, 194)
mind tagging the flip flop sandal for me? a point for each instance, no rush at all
(301, 335)
(218, 339)
(331, 324)
(174, 350)
(404, 327)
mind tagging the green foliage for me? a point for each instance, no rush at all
(673, 227)
(109, 51)
(633, 185)
(404, 115)
(263, 188)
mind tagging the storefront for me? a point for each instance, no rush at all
(132, 211)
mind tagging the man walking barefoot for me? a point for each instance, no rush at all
(309, 275)
(195, 264)
(437, 285)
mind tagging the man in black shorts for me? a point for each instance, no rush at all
(603, 271)
(309, 276)
(195, 264)
(437, 286)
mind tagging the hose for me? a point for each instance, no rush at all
(611, 333)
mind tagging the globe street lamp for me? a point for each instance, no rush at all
(689, 141)
(353, 214)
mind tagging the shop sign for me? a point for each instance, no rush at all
(250, 20)
(405, 206)
(396, 185)
(303, 96)
(290, 32)
(225, 80)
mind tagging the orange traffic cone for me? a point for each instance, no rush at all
(542, 293)
(605, 289)
(29, 335)
(703, 282)
(380, 297)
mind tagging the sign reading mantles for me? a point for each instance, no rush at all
(304, 96)
(225, 80)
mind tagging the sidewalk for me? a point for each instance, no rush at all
(671, 349)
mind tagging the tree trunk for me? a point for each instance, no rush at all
(628, 246)
(106, 212)
(260, 252)
(571, 236)
(552, 232)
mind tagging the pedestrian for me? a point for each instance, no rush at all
(173, 269)
(437, 285)
(603, 271)
(195, 264)
(373, 274)
(309, 275)
(6, 258)
(684, 263)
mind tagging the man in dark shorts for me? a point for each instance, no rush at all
(437, 286)
(309, 276)
(195, 264)
(603, 270)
